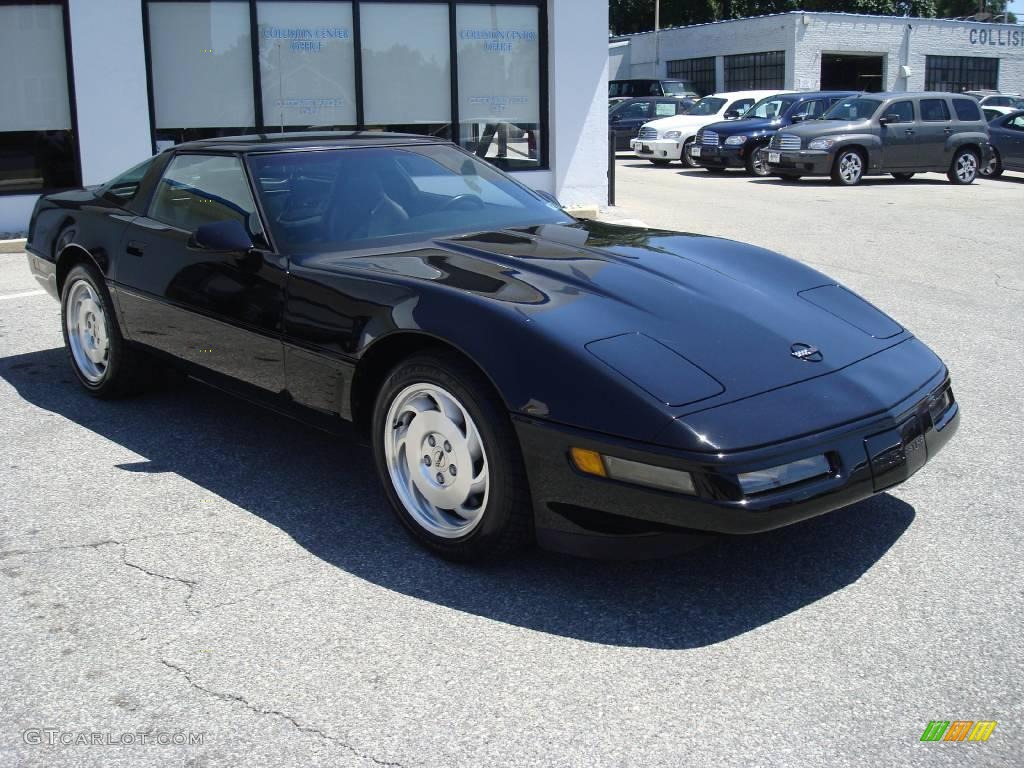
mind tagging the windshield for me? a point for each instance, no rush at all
(676, 87)
(855, 108)
(337, 198)
(707, 106)
(771, 108)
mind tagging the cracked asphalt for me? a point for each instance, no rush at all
(186, 563)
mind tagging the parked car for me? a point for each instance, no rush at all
(626, 117)
(741, 143)
(1001, 100)
(897, 133)
(518, 373)
(1007, 137)
(634, 87)
(670, 138)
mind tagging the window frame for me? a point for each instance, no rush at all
(544, 143)
(957, 74)
(760, 70)
(76, 158)
(696, 70)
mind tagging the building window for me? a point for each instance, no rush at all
(223, 67)
(406, 52)
(700, 72)
(751, 71)
(37, 138)
(307, 64)
(960, 73)
(498, 50)
(201, 70)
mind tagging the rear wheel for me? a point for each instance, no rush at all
(685, 157)
(449, 459)
(964, 168)
(903, 176)
(757, 162)
(848, 169)
(994, 168)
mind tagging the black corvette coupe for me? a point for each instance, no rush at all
(520, 374)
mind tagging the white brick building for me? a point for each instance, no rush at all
(810, 51)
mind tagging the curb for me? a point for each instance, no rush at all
(12, 246)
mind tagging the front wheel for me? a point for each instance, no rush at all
(848, 169)
(685, 157)
(757, 162)
(964, 168)
(103, 363)
(994, 168)
(449, 459)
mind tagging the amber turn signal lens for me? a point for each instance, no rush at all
(588, 461)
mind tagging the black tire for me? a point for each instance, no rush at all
(789, 176)
(757, 165)
(125, 371)
(903, 176)
(661, 163)
(994, 169)
(964, 168)
(506, 522)
(685, 157)
(848, 168)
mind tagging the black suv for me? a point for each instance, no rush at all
(742, 143)
(628, 89)
(897, 133)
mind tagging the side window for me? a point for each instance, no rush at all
(1017, 123)
(934, 110)
(812, 108)
(966, 110)
(904, 110)
(125, 187)
(637, 110)
(740, 106)
(203, 189)
(664, 109)
(654, 89)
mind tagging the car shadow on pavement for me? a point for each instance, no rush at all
(320, 489)
(867, 181)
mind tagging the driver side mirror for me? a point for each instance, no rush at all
(230, 236)
(732, 114)
(799, 118)
(889, 119)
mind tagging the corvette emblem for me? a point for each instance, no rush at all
(806, 352)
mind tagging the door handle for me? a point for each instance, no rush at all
(909, 131)
(135, 248)
(947, 130)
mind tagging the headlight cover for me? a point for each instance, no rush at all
(821, 144)
(733, 141)
(673, 134)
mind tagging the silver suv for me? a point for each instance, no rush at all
(897, 133)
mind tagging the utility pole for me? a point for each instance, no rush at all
(657, 38)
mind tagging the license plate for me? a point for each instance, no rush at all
(695, 152)
(774, 157)
(645, 148)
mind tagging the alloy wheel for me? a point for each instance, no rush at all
(87, 331)
(436, 460)
(851, 167)
(966, 167)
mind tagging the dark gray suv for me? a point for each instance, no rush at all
(897, 133)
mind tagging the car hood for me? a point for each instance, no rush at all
(692, 321)
(816, 128)
(743, 125)
(681, 122)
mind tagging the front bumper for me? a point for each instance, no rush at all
(593, 516)
(721, 157)
(806, 162)
(656, 149)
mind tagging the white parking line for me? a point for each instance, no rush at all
(21, 295)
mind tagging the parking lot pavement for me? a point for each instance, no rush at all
(185, 563)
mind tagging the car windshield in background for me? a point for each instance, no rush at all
(771, 108)
(707, 106)
(852, 109)
(675, 88)
(326, 199)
